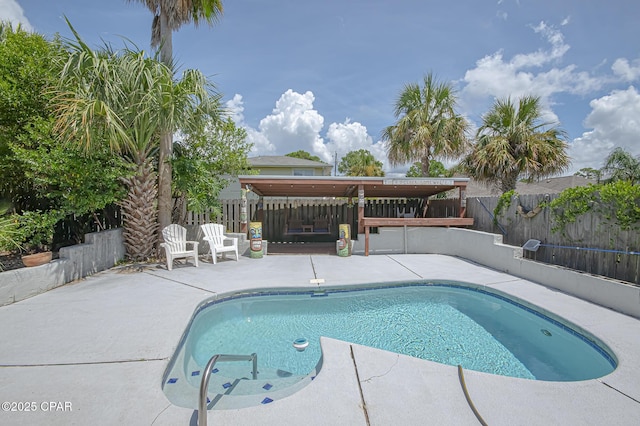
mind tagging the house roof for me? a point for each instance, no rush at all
(345, 186)
(285, 161)
(559, 184)
(553, 185)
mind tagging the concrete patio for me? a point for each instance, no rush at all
(95, 351)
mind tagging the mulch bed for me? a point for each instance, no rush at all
(10, 261)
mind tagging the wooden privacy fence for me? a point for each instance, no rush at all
(604, 249)
(591, 244)
(274, 213)
(72, 229)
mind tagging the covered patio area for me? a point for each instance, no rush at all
(361, 188)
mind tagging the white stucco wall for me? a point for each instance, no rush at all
(487, 249)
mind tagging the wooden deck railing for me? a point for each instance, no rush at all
(369, 222)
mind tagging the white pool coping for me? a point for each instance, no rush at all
(101, 346)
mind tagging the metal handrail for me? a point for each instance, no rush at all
(204, 383)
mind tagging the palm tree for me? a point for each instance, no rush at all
(126, 99)
(427, 127)
(360, 163)
(170, 15)
(514, 143)
(620, 165)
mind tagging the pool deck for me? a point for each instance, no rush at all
(98, 349)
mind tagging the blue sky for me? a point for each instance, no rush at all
(324, 76)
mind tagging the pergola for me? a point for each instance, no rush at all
(361, 187)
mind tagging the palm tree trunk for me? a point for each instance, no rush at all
(165, 204)
(425, 166)
(139, 211)
(509, 182)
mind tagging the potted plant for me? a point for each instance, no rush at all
(36, 231)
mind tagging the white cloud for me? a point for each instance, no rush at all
(615, 122)
(614, 119)
(539, 58)
(235, 109)
(629, 72)
(496, 77)
(295, 125)
(352, 136)
(292, 125)
(11, 11)
(343, 138)
(534, 74)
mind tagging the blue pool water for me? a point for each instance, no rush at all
(446, 323)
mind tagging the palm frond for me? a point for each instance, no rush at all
(514, 142)
(427, 124)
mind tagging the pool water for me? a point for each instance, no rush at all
(445, 323)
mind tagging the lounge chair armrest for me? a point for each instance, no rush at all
(233, 240)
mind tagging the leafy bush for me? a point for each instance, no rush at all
(617, 202)
(9, 235)
(504, 202)
(36, 229)
(623, 201)
(203, 164)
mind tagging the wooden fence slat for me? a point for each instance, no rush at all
(589, 231)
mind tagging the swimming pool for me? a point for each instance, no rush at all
(450, 323)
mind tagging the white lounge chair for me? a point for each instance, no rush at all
(175, 245)
(219, 244)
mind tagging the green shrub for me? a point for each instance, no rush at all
(36, 229)
(618, 203)
(9, 234)
(504, 202)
